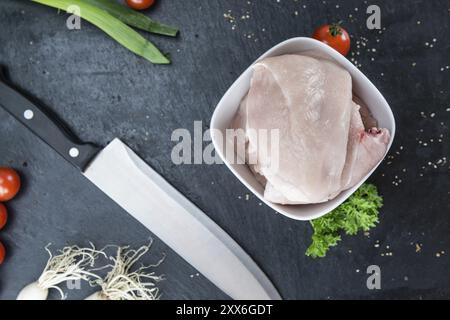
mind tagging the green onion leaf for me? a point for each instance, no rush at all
(112, 26)
(134, 18)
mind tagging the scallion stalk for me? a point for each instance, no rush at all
(134, 18)
(112, 26)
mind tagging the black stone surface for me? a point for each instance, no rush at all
(103, 91)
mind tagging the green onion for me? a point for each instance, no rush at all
(116, 29)
(133, 18)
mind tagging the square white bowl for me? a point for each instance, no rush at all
(229, 104)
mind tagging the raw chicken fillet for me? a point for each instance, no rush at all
(323, 147)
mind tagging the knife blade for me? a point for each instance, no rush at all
(149, 198)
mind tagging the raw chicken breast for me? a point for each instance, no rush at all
(323, 147)
(364, 150)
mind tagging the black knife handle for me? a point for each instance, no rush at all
(47, 127)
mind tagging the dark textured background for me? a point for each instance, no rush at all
(102, 91)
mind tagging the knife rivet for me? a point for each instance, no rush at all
(28, 114)
(74, 152)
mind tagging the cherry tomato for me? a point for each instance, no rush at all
(2, 253)
(3, 216)
(9, 184)
(335, 36)
(140, 4)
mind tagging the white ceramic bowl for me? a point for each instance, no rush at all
(229, 104)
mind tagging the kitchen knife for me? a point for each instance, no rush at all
(149, 198)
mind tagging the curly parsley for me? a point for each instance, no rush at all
(358, 213)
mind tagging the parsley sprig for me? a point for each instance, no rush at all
(358, 213)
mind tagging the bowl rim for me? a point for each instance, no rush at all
(345, 63)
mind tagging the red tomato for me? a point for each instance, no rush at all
(140, 4)
(335, 36)
(3, 216)
(2, 253)
(9, 184)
